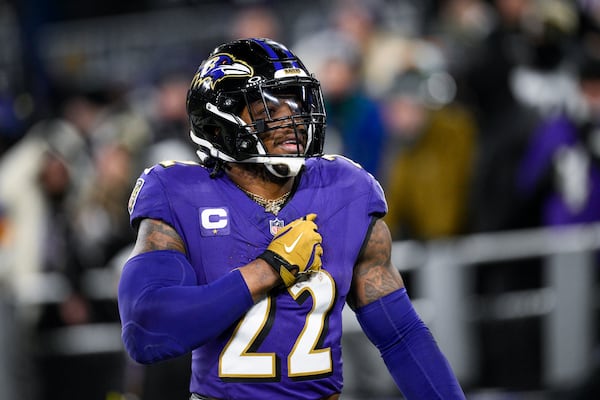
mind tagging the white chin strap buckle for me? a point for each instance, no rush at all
(286, 168)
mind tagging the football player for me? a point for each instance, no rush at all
(247, 258)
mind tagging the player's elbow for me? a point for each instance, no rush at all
(147, 347)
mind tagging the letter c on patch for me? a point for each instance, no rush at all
(214, 221)
(214, 218)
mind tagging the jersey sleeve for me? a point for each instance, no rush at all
(352, 179)
(149, 199)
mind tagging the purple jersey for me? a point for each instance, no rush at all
(289, 344)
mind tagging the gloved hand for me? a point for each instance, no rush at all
(296, 250)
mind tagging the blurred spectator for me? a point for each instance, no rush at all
(459, 29)
(168, 121)
(40, 266)
(545, 80)
(388, 36)
(354, 123)
(112, 136)
(32, 198)
(505, 123)
(431, 151)
(100, 211)
(589, 26)
(64, 188)
(561, 167)
(255, 20)
(116, 139)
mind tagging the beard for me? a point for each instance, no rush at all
(262, 173)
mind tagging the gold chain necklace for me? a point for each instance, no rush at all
(270, 206)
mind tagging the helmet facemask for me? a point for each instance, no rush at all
(302, 125)
(287, 114)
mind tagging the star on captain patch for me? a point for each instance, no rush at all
(275, 225)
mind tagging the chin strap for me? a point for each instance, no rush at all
(280, 166)
(291, 166)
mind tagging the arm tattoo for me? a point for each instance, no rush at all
(374, 274)
(157, 235)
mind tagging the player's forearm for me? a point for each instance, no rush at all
(260, 277)
(409, 350)
(165, 313)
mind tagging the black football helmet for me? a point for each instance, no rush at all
(238, 74)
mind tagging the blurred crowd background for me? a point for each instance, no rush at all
(475, 115)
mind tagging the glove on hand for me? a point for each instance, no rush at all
(295, 250)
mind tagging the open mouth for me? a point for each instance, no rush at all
(290, 145)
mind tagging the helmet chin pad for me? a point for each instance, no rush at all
(279, 166)
(287, 169)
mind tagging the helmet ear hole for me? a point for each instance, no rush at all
(230, 104)
(246, 144)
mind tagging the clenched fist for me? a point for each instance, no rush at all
(295, 250)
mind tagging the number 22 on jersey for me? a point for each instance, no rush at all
(238, 361)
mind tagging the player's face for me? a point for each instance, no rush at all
(281, 135)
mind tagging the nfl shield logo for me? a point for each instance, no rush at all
(275, 225)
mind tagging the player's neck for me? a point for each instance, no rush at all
(261, 184)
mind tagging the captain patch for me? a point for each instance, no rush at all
(214, 221)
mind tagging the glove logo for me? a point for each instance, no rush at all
(291, 248)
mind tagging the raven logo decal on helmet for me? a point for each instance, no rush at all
(218, 67)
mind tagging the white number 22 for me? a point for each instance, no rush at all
(239, 361)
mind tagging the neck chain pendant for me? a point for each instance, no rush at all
(270, 206)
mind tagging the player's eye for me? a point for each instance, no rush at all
(260, 112)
